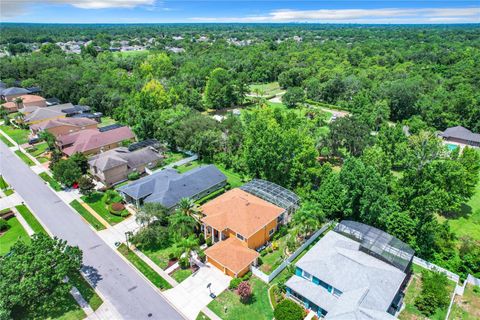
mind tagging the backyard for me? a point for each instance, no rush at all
(229, 307)
(106, 121)
(20, 136)
(144, 268)
(14, 233)
(87, 215)
(98, 203)
(173, 156)
(413, 291)
(233, 178)
(467, 307)
(265, 89)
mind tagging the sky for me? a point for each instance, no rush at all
(260, 11)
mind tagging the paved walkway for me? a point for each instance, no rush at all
(81, 301)
(105, 312)
(192, 295)
(11, 201)
(93, 213)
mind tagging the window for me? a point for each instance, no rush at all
(271, 232)
(239, 236)
(307, 275)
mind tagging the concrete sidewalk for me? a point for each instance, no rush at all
(11, 201)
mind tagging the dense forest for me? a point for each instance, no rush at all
(362, 167)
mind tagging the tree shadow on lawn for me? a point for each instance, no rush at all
(92, 275)
(464, 212)
(250, 300)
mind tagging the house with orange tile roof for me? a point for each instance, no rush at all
(238, 223)
(27, 100)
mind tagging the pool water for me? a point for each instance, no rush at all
(451, 146)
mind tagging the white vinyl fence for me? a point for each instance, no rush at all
(433, 267)
(267, 278)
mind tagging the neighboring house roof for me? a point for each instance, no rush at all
(14, 91)
(239, 211)
(460, 132)
(121, 156)
(40, 114)
(76, 109)
(10, 105)
(168, 187)
(368, 284)
(57, 108)
(90, 139)
(70, 122)
(31, 98)
(233, 254)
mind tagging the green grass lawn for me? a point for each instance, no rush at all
(171, 157)
(6, 141)
(31, 220)
(52, 182)
(144, 268)
(233, 178)
(20, 136)
(467, 223)
(24, 158)
(8, 192)
(87, 215)
(96, 202)
(202, 316)
(38, 149)
(181, 274)
(67, 310)
(467, 307)
(271, 260)
(159, 256)
(88, 293)
(266, 89)
(106, 121)
(258, 308)
(3, 184)
(13, 234)
(413, 291)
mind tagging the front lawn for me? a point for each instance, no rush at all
(31, 220)
(144, 268)
(96, 202)
(52, 182)
(467, 307)
(257, 308)
(87, 215)
(12, 235)
(181, 274)
(68, 309)
(24, 158)
(161, 257)
(413, 291)
(20, 136)
(38, 149)
(3, 184)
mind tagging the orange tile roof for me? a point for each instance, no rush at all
(30, 98)
(232, 254)
(10, 105)
(240, 212)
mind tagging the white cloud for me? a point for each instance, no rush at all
(14, 8)
(385, 15)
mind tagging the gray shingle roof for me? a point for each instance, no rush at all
(365, 281)
(460, 132)
(167, 187)
(14, 91)
(119, 156)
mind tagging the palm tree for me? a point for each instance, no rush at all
(187, 245)
(181, 225)
(187, 207)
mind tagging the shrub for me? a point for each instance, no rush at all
(244, 290)
(234, 283)
(117, 209)
(117, 206)
(247, 276)
(288, 310)
(209, 241)
(184, 263)
(3, 224)
(202, 256)
(434, 294)
(133, 175)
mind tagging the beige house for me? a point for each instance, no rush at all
(115, 165)
(62, 126)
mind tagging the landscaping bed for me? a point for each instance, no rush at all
(24, 158)
(144, 268)
(98, 203)
(87, 215)
(52, 182)
(257, 308)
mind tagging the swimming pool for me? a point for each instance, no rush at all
(452, 146)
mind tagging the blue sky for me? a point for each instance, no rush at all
(158, 11)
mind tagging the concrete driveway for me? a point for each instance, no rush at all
(192, 295)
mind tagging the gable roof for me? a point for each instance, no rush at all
(90, 139)
(460, 132)
(366, 282)
(168, 187)
(14, 91)
(239, 211)
(120, 156)
(233, 254)
(42, 114)
(70, 122)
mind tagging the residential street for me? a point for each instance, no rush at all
(126, 290)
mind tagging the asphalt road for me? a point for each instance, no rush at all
(131, 295)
